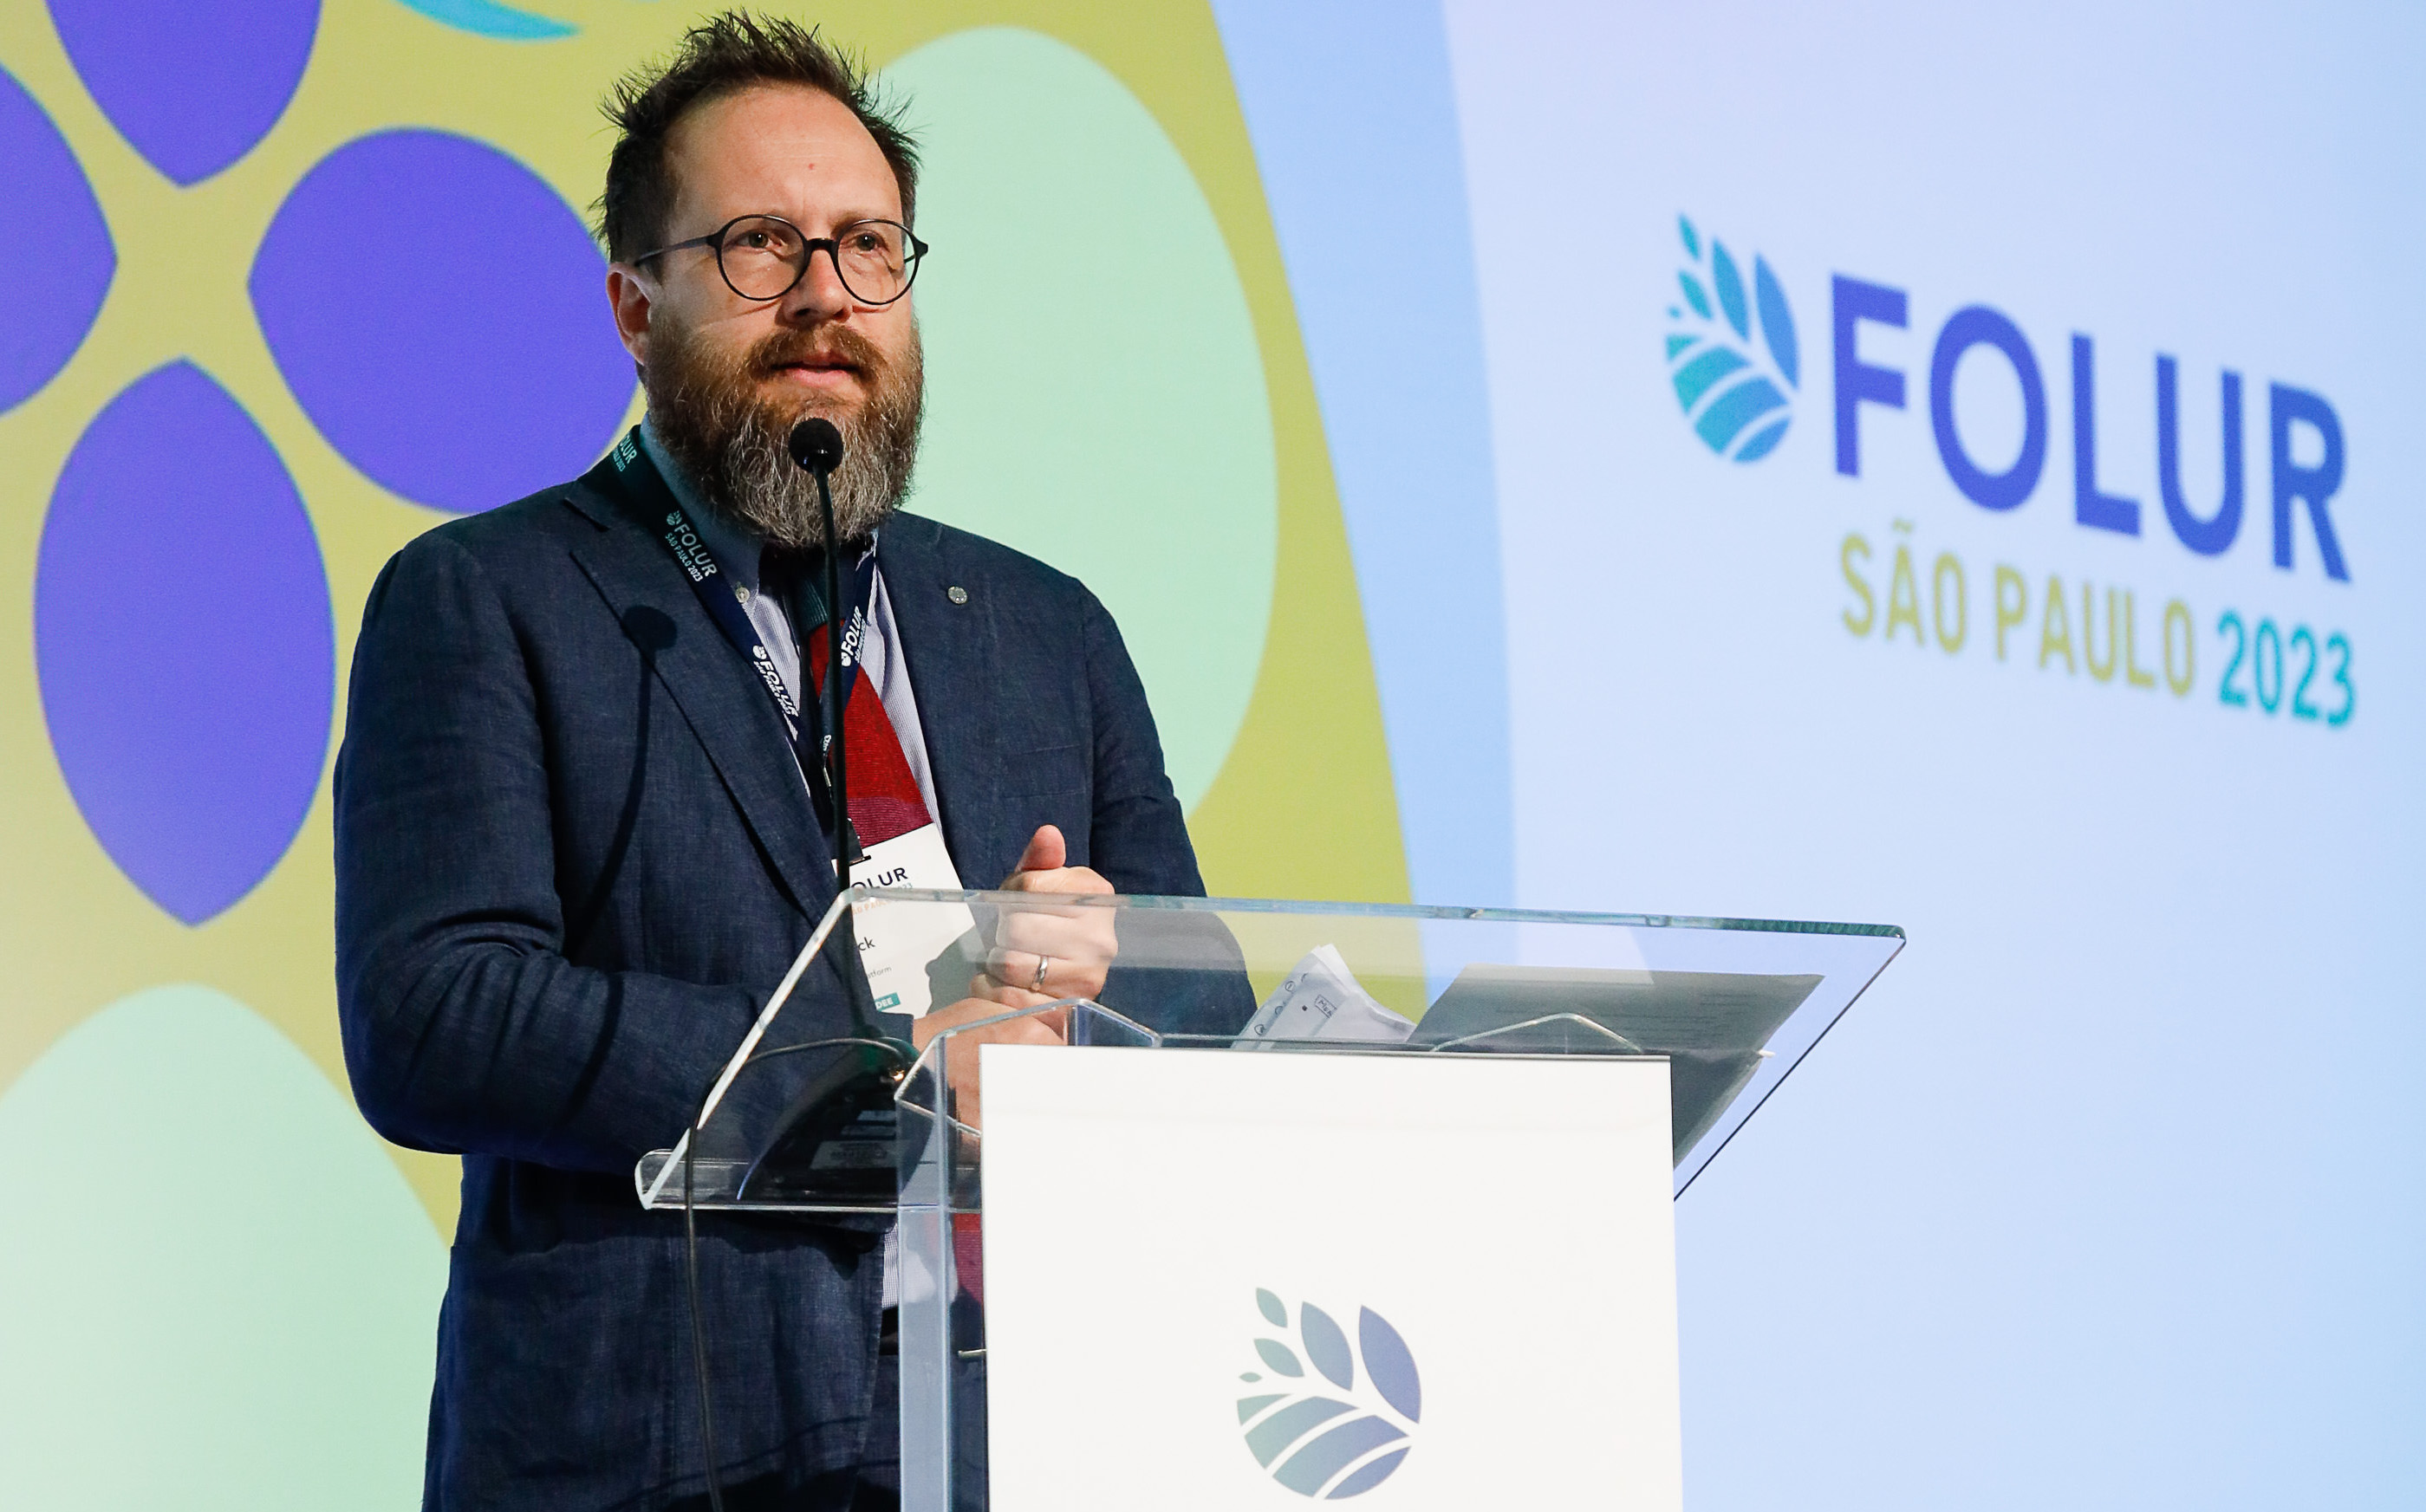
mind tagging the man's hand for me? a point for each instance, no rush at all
(1041, 954)
(1043, 1029)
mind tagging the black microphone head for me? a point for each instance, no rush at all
(816, 443)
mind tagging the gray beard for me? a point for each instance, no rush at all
(734, 449)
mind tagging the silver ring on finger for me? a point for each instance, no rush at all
(1044, 964)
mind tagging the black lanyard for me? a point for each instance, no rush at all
(639, 474)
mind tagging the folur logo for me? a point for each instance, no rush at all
(1727, 382)
(1343, 1440)
(2298, 422)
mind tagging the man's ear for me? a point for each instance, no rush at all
(629, 295)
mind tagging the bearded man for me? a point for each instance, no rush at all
(579, 839)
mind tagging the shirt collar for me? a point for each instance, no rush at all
(735, 546)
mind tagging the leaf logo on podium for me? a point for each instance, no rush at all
(1345, 1429)
(1728, 386)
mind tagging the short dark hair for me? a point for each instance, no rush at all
(721, 55)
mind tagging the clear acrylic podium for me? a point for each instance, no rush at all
(826, 1112)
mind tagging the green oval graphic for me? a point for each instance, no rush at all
(1096, 393)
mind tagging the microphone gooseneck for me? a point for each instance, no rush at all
(816, 445)
(836, 1103)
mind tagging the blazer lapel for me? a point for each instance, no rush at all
(949, 648)
(727, 708)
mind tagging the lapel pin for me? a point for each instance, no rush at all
(957, 594)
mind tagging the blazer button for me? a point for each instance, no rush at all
(957, 594)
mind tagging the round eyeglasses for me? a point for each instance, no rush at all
(765, 257)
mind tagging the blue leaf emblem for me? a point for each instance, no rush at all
(1730, 284)
(1695, 377)
(1738, 407)
(1325, 1446)
(1693, 295)
(1776, 322)
(1735, 393)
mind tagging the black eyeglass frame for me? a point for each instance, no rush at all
(830, 246)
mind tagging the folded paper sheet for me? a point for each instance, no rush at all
(1319, 999)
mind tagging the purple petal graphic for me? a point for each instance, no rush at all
(1334, 1450)
(1276, 1355)
(438, 309)
(66, 259)
(183, 637)
(191, 86)
(1390, 1364)
(1327, 1346)
(1366, 1479)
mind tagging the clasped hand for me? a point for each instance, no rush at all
(1039, 956)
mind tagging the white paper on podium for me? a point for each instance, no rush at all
(1321, 999)
(1508, 1219)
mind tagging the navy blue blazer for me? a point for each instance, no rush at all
(573, 857)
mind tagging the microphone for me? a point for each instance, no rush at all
(816, 445)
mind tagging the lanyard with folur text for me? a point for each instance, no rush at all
(721, 597)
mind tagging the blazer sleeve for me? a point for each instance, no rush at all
(466, 1028)
(1138, 838)
(1139, 842)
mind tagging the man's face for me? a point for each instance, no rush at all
(727, 376)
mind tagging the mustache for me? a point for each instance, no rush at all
(789, 349)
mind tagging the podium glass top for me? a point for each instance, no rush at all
(803, 1117)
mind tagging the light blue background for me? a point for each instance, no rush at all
(1352, 111)
(2111, 1193)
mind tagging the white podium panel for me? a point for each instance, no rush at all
(1222, 1280)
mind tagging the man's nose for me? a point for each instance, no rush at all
(819, 296)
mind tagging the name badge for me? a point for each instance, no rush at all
(896, 943)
